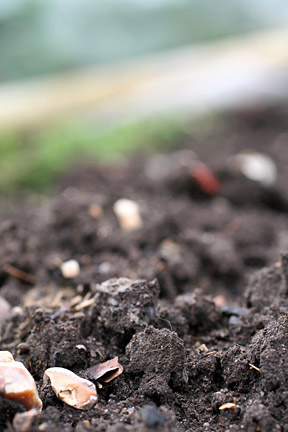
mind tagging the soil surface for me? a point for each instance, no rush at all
(194, 303)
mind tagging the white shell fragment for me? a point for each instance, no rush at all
(128, 214)
(70, 269)
(71, 389)
(106, 371)
(256, 166)
(16, 382)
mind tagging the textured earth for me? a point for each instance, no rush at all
(194, 302)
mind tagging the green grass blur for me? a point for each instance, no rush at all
(32, 160)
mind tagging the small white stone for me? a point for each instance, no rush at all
(70, 269)
(104, 267)
(128, 214)
(257, 166)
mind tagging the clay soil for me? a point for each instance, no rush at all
(194, 303)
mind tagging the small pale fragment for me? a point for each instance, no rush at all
(227, 406)
(70, 269)
(95, 211)
(203, 348)
(22, 422)
(84, 304)
(107, 371)
(81, 347)
(5, 309)
(86, 423)
(256, 166)
(17, 383)
(71, 389)
(6, 356)
(220, 301)
(128, 214)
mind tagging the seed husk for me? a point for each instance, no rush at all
(106, 371)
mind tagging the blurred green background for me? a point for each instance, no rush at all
(39, 37)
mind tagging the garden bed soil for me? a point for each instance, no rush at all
(194, 303)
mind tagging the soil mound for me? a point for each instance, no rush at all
(193, 302)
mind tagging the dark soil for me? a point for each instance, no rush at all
(194, 303)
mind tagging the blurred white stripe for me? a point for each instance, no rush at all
(227, 73)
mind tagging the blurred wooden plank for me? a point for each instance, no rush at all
(215, 75)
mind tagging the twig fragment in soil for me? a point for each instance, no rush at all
(227, 406)
(84, 304)
(19, 274)
(210, 353)
(75, 300)
(165, 320)
(254, 367)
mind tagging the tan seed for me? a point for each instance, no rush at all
(71, 389)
